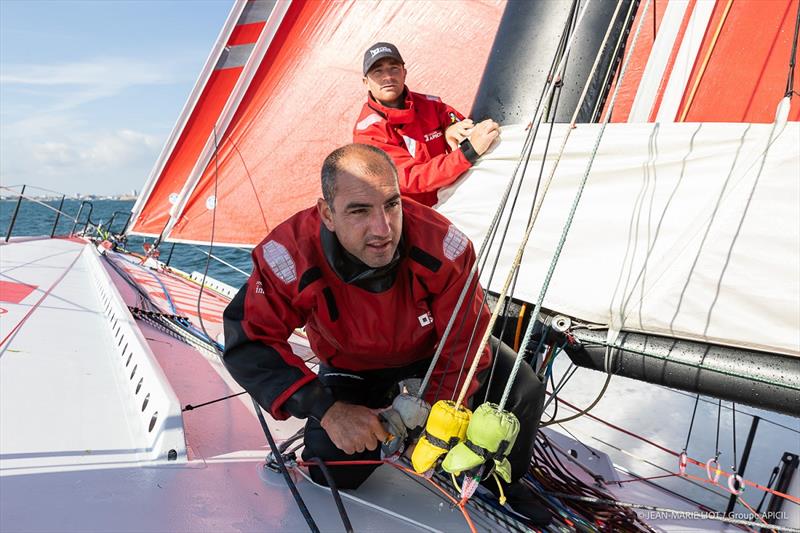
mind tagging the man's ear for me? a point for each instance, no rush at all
(325, 213)
(366, 82)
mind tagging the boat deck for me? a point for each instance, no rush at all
(77, 437)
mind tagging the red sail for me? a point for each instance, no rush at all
(305, 97)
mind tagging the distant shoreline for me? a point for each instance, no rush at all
(53, 198)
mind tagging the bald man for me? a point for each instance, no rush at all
(374, 279)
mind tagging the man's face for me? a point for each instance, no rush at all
(367, 216)
(385, 80)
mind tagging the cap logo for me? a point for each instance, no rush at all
(376, 51)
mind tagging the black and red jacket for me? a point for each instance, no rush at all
(383, 318)
(414, 139)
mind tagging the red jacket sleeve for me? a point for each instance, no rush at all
(258, 323)
(415, 176)
(461, 342)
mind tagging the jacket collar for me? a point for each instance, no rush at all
(352, 271)
(395, 116)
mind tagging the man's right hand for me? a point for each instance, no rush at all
(353, 428)
(483, 135)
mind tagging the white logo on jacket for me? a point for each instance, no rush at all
(280, 262)
(433, 135)
(425, 319)
(259, 287)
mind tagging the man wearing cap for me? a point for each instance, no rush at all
(431, 143)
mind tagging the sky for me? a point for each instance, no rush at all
(90, 90)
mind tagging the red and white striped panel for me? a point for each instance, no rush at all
(709, 61)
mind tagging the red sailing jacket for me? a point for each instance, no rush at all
(414, 138)
(348, 327)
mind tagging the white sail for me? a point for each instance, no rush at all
(684, 229)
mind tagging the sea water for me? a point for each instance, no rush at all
(35, 219)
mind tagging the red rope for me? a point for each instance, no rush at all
(689, 459)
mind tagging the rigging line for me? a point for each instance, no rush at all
(282, 466)
(517, 259)
(211, 242)
(252, 184)
(488, 238)
(571, 215)
(733, 467)
(229, 265)
(190, 407)
(691, 423)
(695, 462)
(505, 301)
(694, 365)
(793, 58)
(704, 64)
(700, 486)
(337, 499)
(586, 410)
(740, 412)
(554, 107)
(561, 384)
(492, 230)
(716, 442)
(616, 60)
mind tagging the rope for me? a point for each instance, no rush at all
(282, 466)
(335, 493)
(695, 462)
(704, 64)
(571, 215)
(190, 407)
(790, 81)
(493, 225)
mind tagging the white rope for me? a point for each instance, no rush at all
(568, 224)
(538, 119)
(494, 224)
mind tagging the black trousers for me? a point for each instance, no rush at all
(377, 388)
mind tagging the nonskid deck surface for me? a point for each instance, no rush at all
(69, 434)
(61, 402)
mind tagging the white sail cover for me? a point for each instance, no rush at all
(684, 229)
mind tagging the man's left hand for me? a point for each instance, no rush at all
(458, 132)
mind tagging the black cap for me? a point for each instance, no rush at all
(378, 51)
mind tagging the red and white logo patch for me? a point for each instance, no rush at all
(425, 319)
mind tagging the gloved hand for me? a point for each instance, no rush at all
(414, 411)
(394, 426)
